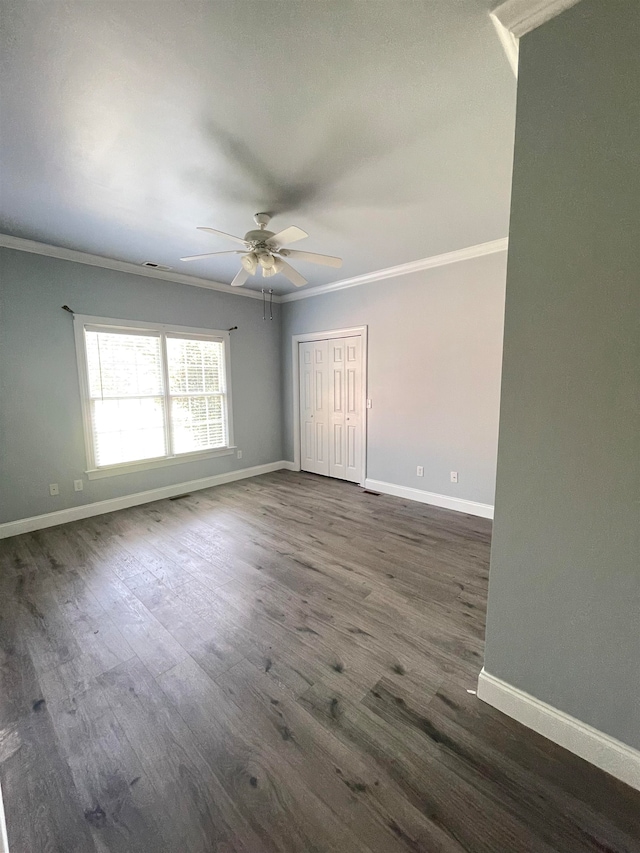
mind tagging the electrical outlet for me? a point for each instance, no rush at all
(454, 476)
(420, 471)
(239, 454)
(78, 485)
(53, 489)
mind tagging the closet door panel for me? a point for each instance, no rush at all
(354, 461)
(314, 399)
(330, 407)
(337, 413)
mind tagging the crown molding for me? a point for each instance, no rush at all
(35, 248)
(458, 255)
(522, 16)
(510, 44)
(477, 251)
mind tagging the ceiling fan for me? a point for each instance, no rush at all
(267, 250)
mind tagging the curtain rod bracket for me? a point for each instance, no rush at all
(66, 308)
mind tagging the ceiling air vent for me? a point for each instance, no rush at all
(153, 266)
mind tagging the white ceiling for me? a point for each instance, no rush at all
(384, 129)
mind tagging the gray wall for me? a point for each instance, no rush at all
(564, 595)
(435, 346)
(41, 437)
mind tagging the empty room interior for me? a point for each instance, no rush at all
(320, 426)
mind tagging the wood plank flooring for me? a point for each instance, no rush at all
(279, 664)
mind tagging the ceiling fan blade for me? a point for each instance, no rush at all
(241, 276)
(289, 235)
(222, 234)
(293, 275)
(211, 255)
(314, 258)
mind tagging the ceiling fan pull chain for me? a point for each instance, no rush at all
(271, 303)
(264, 306)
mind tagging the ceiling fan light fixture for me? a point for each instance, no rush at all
(250, 262)
(267, 272)
(266, 260)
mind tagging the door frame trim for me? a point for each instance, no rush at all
(353, 331)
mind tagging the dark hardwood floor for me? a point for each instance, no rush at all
(279, 664)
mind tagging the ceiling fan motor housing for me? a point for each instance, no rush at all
(258, 236)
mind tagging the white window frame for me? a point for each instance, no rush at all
(80, 321)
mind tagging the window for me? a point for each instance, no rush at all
(153, 395)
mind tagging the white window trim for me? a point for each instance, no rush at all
(94, 473)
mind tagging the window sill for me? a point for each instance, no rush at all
(148, 464)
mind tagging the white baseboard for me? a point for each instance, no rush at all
(433, 498)
(607, 753)
(50, 519)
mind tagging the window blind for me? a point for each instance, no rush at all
(154, 394)
(126, 392)
(196, 391)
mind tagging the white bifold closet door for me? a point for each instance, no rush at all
(331, 408)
